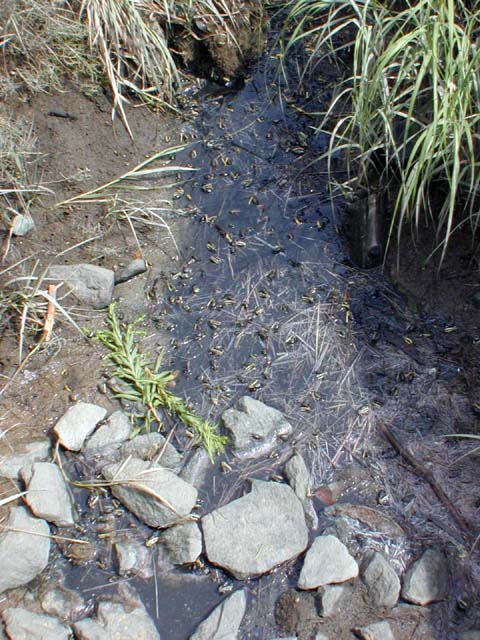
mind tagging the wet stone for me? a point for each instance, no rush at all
(48, 496)
(327, 561)
(22, 624)
(426, 580)
(116, 621)
(253, 534)
(294, 611)
(132, 269)
(224, 621)
(62, 603)
(149, 446)
(89, 283)
(329, 599)
(155, 495)
(382, 581)
(38, 451)
(298, 476)
(254, 428)
(77, 424)
(117, 429)
(181, 544)
(24, 550)
(376, 631)
(133, 559)
(196, 467)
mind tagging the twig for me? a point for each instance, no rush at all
(427, 475)
(50, 315)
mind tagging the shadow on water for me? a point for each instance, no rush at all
(266, 302)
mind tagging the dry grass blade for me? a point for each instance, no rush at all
(134, 50)
(142, 171)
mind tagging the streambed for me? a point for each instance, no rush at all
(266, 302)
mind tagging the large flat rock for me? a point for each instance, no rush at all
(155, 495)
(253, 534)
(22, 624)
(254, 428)
(24, 549)
(224, 621)
(77, 424)
(117, 622)
(48, 496)
(327, 562)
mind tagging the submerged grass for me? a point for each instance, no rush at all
(147, 385)
(409, 108)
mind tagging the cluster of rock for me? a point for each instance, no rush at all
(247, 537)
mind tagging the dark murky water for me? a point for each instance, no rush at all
(267, 302)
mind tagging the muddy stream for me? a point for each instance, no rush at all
(266, 301)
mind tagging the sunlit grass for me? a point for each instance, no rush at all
(148, 385)
(409, 108)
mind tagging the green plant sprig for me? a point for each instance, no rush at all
(146, 384)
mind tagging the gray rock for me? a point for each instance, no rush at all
(469, 635)
(77, 424)
(254, 428)
(376, 631)
(329, 599)
(117, 622)
(253, 534)
(149, 446)
(24, 549)
(48, 496)
(298, 476)
(62, 603)
(426, 580)
(21, 624)
(112, 434)
(181, 544)
(327, 561)
(382, 581)
(34, 452)
(133, 559)
(22, 224)
(90, 284)
(224, 621)
(155, 495)
(132, 269)
(320, 636)
(196, 467)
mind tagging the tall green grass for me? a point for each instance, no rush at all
(409, 105)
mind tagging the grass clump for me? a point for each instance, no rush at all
(409, 108)
(45, 42)
(146, 384)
